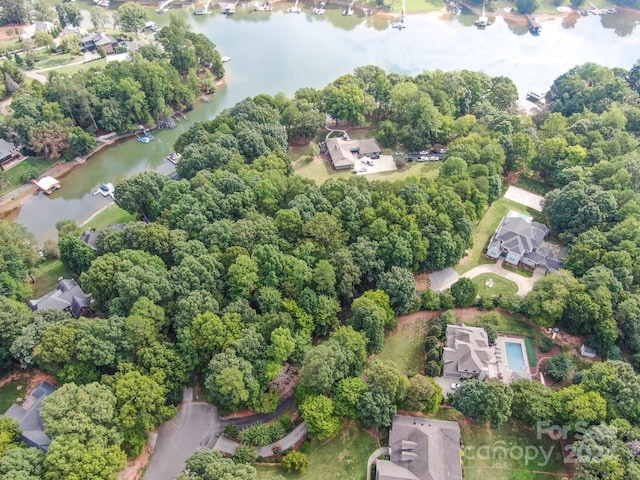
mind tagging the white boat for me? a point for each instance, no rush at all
(293, 10)
(106, 190)
(225, 59)
(536, 95)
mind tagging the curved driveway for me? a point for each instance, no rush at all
(525, 284)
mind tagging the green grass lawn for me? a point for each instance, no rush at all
(485, 228)
(343, 457)
(47, 276)
(510, 324)
(405, 347)
(56, 60)
(12, 177)
(500, 285)
(76, 68)
(111, 214)
(483, 457)
(419, 5)
(10, 392)
(534, 185)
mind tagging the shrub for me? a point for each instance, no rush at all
(545, 344)
(429, 343)
(286, 423)
(231, 431)
(304, 448)
(434, 355)
(430, 300)
(295, 462)
(432, 369)
(244, 454)
(492, 334)
(435, 331)
(277, 431)
(560, 366)
(50, 250)
(258, 434)
(447, 302)
(492, 318)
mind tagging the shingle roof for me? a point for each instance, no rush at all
(28, 415)
(341, 150)
(6, 148)
(422, 449)
(68, 295)
(467, 349)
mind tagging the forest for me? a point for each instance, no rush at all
(242, 268)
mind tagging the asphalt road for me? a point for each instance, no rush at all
(194, 427)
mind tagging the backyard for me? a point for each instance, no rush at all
(510, 452)
(485, 228)
(343, 457)
(14, 177)
(47, 275)
(108, 216)
(13, 390)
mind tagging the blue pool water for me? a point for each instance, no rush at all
(515, 357)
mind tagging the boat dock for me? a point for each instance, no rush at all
(262, 7)
(203, 10)
(230, 9)
(534, 27)
(295, 8)
(173, 157)
(163, 7)
(347, 12)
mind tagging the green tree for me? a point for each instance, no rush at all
(76, 254)
(526, 6)
(317, 411)
(140, 194)
(131, 17)
(484, 401)
(464, 292)
(22, 463)
(376, 408)
(211, 465)
(295, 461)
(399, 284)
(424, 394)
(9, 434)
(560, 366)
(348, 395)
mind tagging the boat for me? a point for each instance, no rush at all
(162, 10)
(225, 59)
(536, 95)
(347, 12)
(318, 10)
(146, 136)
(144, 139)
(106, 190)
(173, 157)
(293, 10)
(398, 25)
(482, 20)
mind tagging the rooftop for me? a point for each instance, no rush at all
(67, 296)
(28, 415)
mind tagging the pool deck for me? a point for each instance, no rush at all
(504, 373)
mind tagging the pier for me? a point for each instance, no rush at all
(534, 27)
(294, 9)
(204, 10)
(163, 7)
(349, 10)
(230, 9)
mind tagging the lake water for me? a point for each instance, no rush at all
(280, 52)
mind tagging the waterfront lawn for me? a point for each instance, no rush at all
(49, 60)
(110, 215)
(343, 457)
(12, 178)
(413, 6)
(501, 285)
(405, 347)
(10, 392)
(485, 228)
(484, 449)
(47, 276)
(71, 69)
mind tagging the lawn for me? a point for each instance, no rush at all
(56, 60)
(485, 228)
(501, 286)
(510, 452)
(343, 457)
(420, 5)
(510, 324)
(10, 392)
(76, 68)
(405, 347)
(47, 276)
(110, 215)
(534, 185)
(12, 177)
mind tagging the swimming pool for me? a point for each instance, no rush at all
(515, 357)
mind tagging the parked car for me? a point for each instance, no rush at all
(455, 386)
(375, 156)
(421, 159)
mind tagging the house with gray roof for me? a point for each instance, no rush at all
(521, 240)
(422, 449)
(28, 416)
(468, 354)
(344, 152)
(90, 236)
(68, 297)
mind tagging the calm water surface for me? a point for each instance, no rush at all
(279, 52)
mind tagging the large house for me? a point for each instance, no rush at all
(90, 236)
(9, 153)
(30, 30)
(344, 152)
(520, 240)
(96, 40)
(468, 354)
(422, 449)
(68, 297)
(28, 416)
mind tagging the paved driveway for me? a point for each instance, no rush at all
(525, 284)
(194, 427)
(524, 197)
